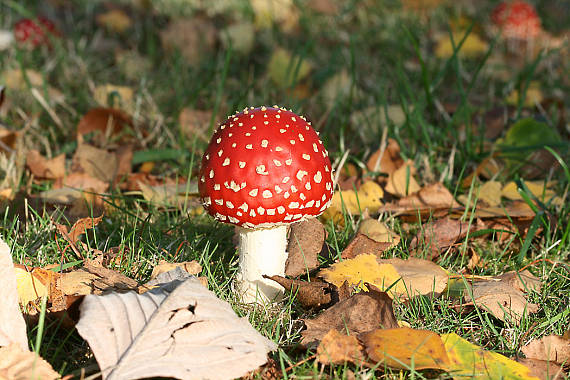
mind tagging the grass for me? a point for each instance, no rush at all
(386, 54)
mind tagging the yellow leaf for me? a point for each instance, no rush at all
(31, 286)
(285, 70)
(406, 348)
(378, 231)
(109, 95)
(536, 188)
(472, 47)
(533, 96)
(363, 268)
(402, 182)
(268, 12)
(471, 361)
(490, 193)
(368, 198)
(115, 20)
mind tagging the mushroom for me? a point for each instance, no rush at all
(264, 169)
(33, 33)
(519, 23)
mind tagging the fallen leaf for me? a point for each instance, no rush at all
(336, 88)
(33, 283)
(539, 189)
(8, 140)
(337, 348)
(358, 314)
(552, 348)
(193, 37)
(362, 244)
(240, 36)
(378, 231)
(490, 193)
(44, 168)
(12, 325)
(523, 281)
(404, 278)
(367, 121)
(79, 228)
(368, 197)
(308, 294)
(470, 361)
(17, 364)
(405, 348)
(104, 123)
(285, 70)
(192, 267)
(306, 240)
(170, 194)
(501, 300)
(543, 369)
(114, 20)
(132, 64)
(390, 160)
(488, 168)
(77, 181)
(533, 96)
(437, 236)
(427, 202)
(116, 97)
(269, 12)
(97, 163)
(472, 47)
(327, 7)
(179, 329)
(402, 182)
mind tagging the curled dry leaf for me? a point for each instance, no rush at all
(306, 241)
(390, 160)
(12, 325)
(193, 37)
(431, 200)
(192, 267)
(362, 244)
(378, 231)
(337, 348)
(179, 329)
(357, 314)
(552, 348)
(308, 294)
(97, 163)
(44, 168)
(438, 235)
(405, 348)
(106, 123)
(17, 364)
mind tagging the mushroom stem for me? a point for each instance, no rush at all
(261, 251)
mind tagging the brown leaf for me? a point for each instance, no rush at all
(81, 226)
(104, 123)
(360, 313)
(436, 236)
(419, 277)
(17, 364)
(523, 281)
(488, 168)
(543, 369)
(552, 348)
(427, 201)
(109, 278)
(390, 160)
(501, 300)
(192, 267)
(327, 7)
(8, 140)
(83, 181)
(44, 168)
(378, 231)
(337, 348)
(362, 244)
(97, 163)
(406, 348)
(309, 294)
(306, 241)
(193, 37)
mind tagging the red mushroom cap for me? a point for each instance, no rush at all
(518, 19)
(34, 33)
(263, 167)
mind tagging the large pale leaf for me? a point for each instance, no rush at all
(12, 325)
(17, 364)
(179, 329)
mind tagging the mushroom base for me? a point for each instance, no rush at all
(261, 252)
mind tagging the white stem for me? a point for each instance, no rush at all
(261, 251)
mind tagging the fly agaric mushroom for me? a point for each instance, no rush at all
(517, 19)
(264, 169)
(33, 33)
